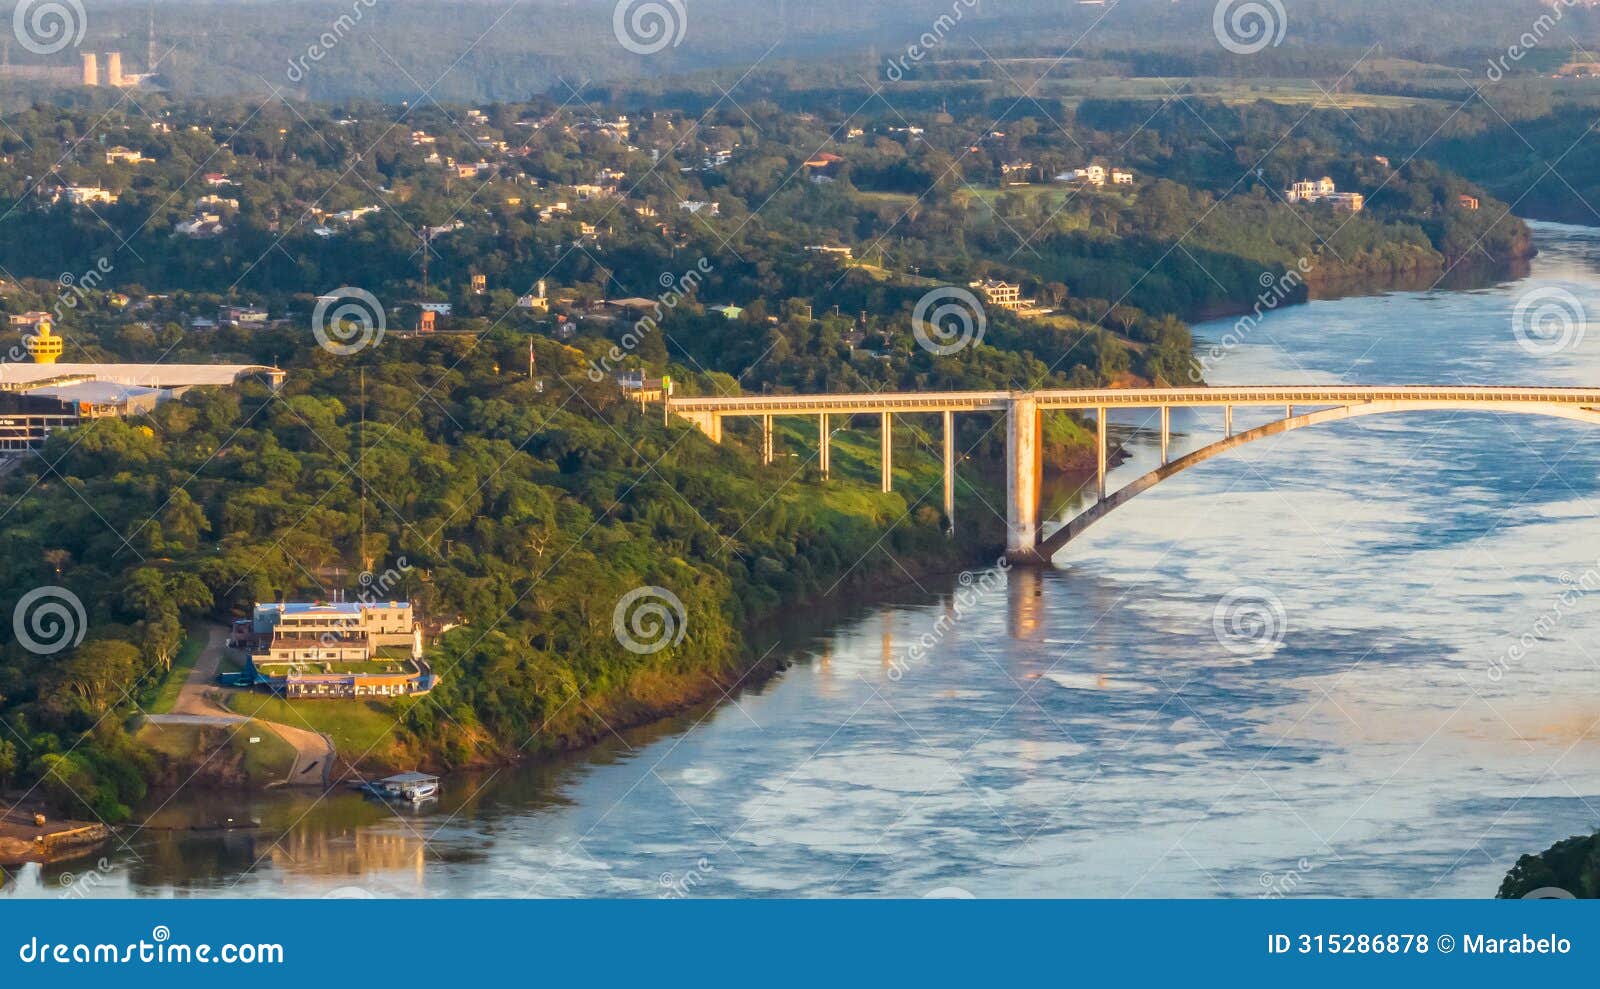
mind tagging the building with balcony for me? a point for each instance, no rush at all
(335, 649)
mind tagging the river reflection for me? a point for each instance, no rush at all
(1086, 731)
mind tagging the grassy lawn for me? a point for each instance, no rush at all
(356, 726)
(900, 199)
(188, 654)
(266, 761)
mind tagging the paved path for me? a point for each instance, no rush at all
(217, 721)
(200, 693)
(202, 701)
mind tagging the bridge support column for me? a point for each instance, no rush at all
(1227, 420)
(1022, 479)
(886, 441)
(1166, 432)
(1100, 445)
(766, 439)
(709, 423)
(824, 443)
(950, 471)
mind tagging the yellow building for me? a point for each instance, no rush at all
(43, 346)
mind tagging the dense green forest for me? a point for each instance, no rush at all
(1571, 865)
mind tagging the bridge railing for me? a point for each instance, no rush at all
(985, 401)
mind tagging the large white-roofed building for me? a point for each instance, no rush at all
(36, 399)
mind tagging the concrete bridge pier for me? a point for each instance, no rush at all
(886, 441)
(709, 423)
(1100, 450)
(1227, 421)
(766, 439)
(950, 470)
(1022, 478)
(824, 444)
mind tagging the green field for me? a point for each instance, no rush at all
(356, 726)
(269, 760)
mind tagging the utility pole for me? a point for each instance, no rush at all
(361, 457)
(425, 252)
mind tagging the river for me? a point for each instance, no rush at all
(1093, 730)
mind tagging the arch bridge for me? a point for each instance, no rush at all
(1305, 405)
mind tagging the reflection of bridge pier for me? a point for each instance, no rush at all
(1024, 450)
(1025, 601)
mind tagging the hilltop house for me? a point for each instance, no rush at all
(1324, 191)
(333, 650)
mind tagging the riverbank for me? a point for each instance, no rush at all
(28, 834)
(1323, 285)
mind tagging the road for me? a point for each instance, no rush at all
(202, 701)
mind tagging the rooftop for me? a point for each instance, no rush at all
(327, 607)
(15, 374)
(400, 779)
(92, 392)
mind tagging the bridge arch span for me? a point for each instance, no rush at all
(1053, 543)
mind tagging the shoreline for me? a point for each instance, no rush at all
(1320, 286)
(26, 838)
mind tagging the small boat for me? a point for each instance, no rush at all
(412, 787)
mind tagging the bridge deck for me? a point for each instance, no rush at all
(1486, 396)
